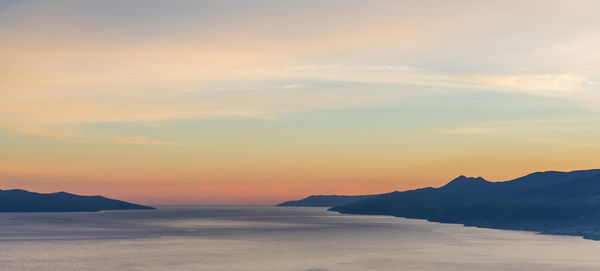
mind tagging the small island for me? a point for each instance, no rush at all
(18, 200)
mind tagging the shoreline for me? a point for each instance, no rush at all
(582, 236)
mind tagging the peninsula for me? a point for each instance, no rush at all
(552, 202)
(18, 200)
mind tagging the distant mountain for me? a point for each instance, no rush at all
(548, 202)
(23, 201)
(325, 200)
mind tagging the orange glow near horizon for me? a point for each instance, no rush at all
(213, 103)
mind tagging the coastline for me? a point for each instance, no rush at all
(580, 235)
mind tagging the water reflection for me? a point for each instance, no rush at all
(273, 238)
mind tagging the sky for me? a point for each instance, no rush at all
(257, 102)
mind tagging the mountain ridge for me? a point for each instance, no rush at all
(19, 200)
(325, 200)
(550, 202)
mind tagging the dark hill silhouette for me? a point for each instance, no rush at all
(325, 200)
(23, 201)
(548, 202)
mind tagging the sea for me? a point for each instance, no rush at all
(229, 238)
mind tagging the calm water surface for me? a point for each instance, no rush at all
(273, 238)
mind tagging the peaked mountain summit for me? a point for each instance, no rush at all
(548, 202)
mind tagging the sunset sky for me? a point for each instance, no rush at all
(228, 102)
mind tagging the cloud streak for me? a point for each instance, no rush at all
(257, 66)
(469, 131)
(142, 141)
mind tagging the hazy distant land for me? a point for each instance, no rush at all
(325, 200)
(566, 203)
(17, 200)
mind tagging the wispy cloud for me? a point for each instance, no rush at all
(83, 73)
(468, 131)
(49, 132)
(565, 142)
(293, 86)
(565, 84)
(349, 68)
(142, 141)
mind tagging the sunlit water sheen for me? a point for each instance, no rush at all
(273, 238)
